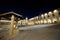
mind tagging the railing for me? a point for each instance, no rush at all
(5, 21)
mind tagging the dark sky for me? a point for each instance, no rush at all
(28, 8)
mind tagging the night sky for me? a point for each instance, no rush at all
(28, 8)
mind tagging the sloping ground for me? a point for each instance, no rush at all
(45, 33)
(3, 34)
(35, 26)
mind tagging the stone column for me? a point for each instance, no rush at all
(10, 31)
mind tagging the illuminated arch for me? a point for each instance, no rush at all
(49, 21)
(55, 20)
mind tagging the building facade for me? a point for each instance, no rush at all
(45, 18)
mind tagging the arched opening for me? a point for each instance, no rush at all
(49, 21)
(55, 21)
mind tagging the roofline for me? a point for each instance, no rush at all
(11, 13)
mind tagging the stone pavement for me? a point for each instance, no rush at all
(47, 33)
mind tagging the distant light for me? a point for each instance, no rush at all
(50, 13)
(26, 18)
(45, 14)
(42, 15)
(55, 11)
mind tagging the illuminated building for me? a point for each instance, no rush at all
(11, 20)
(45, 18)
(50, 17)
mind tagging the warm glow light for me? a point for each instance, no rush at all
(45, 14)
(14, 26)
(49, 21)
(42, 15)
(37, 17)
(45, 21)
(41, 21)
(26, 18)
(50, 13)
(55, 11)
(5, 21)
(54, 20)
(31, 19)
